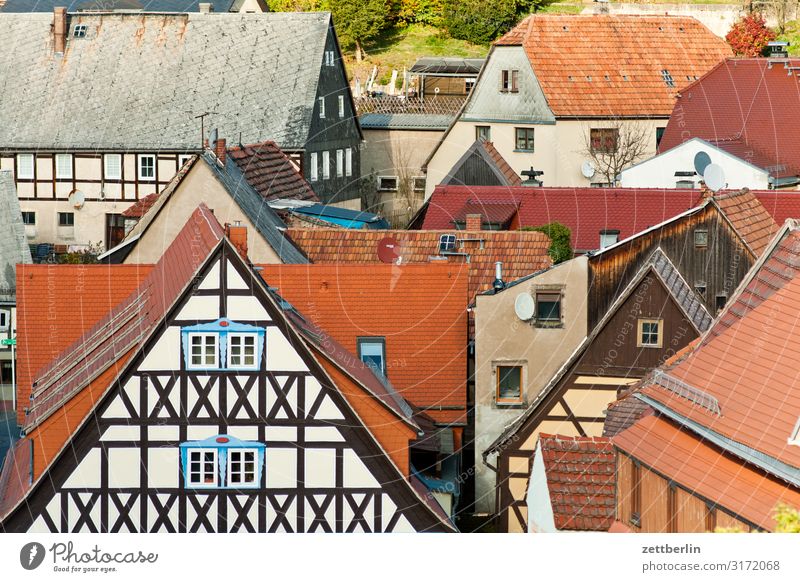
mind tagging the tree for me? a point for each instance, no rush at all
(560, 243)
(616, 146)
(478, 21)
(358, 21)
(749, 36)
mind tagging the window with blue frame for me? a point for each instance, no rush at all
(222, 462)
(222, 345)
(372, 351)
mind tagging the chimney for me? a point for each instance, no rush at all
(498, 284)
(237, 234)
(219, 150)
(474, 222)
(59, 29)
(205, 7)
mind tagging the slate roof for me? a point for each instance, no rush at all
(702, 468)
(13, 243)
(749, 217)
(109, 5)
(481, 153)
(751, 100)
(447, 65)
(137, 81)
(612, 66)
(271, 172)
(581, 481)
(411, 306)
(407, 121)
(521, 252)
(141, 206)
(623, 414)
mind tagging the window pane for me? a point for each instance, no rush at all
(63, 166)
(25, 166)
(508, 383)
(548, 306)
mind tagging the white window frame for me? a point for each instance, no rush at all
(26, 175)
(341, 106)
(415, 183)
(202, 365)
(313, 171)
(242, 366)
(108, 174)
(60, 174)
(326, 165)
(383, 188)
(659, 333)
(321, 101)
(182, 159)
(339, 163)
(230, 473)
(348, 162)
(608, 238)
(215, 472)
(330, 58)
(140, 167)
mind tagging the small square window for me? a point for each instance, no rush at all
(203, 351)
(64, 166)
(341, 106)
(468, 85)
(203, 471)
(483, 132)
(509, 384)
(608, 238)
(66, 219)
(418, 183)
(548, 308)
(25, 164)
(242, 351)
(447, 243)
(650, 333)
(700, 238)
(326, 165)
(147, 167)
(112, 166)
(79, 31)
(700, 289)
(28, 218)
(387, 183)
(604, 139)
(321, 101)
(524, 139)
(372, 351)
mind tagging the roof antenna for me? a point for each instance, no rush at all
(202, 118)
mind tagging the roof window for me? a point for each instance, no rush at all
(447, 243)
(667, 78)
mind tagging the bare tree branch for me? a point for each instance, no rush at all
(615, 146)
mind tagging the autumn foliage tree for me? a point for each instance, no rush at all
(749, 36)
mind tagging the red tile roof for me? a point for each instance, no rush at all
(521, 252)
(749, 99)
(511, 176)
(781, 205)
(491, 212)
(703, 469)
(140, 208)
(612, 66)
(57, 305)
(271, 172)
(581, 480)
(749, 217)
(411, 306)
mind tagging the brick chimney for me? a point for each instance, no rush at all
(237, 234)
(220, 150)
(59, 29)
(473, 222)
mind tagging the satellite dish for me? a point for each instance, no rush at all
(77, 199)
(212, 139)
(587, 169)
(389, 250)
(523, 306)
(714, 177)
(701, 161)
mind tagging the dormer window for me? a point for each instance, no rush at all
(222, 462)
(509, 81)
(223, 345)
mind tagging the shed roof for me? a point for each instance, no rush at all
(270, 171)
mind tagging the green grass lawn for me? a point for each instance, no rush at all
(792, 35)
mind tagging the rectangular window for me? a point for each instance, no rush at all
(509, 81)
(700, 238)
(341, 106)
(659, 134)
(524, 139)
(667, 77)
(509, 384)
(321, 101)
(387, 183)
(66, 219)
(115, 230)
(468, 85)
(182, 159)
(608, 238)
(25, 166)
(242, 350)
(330, 58)
(650, 333)
(339, 163)
(686, 184)
(313, 170)
(348, 161)
(203, 470)
(64, 166)
(483, 132)
(241, 467)
(604, 140)
(672, 509)
(5, 317)
(326, 165)
(147, 167)
(700, 289)
(418, 183)
(203, 351)
(548, 308)
(447, 243)
(28, 218)
(372, 351)
(112, 166)
(720, 301)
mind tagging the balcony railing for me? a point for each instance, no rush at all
(426, 105)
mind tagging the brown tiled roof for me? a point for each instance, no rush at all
(512, 178)
(602, 65)
(581, 480)
(140, 208)
(703, 469)
(521, 252)
(749, 217)
(491, 212)
(271, 172)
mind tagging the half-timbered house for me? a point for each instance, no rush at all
(205, 402)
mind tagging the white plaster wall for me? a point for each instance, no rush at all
(540, 509)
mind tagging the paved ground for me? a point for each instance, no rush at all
(9, 431)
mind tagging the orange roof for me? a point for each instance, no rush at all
(521, 252)
(749, 217)
(601, 66)
(680, 456)
(413, 307)
(57, 304)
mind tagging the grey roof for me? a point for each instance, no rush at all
(419, 121)
(680, 290)
(137, 81)
(447, 65)
(108, 5)
(13, 244)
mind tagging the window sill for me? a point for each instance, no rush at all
(548, 325)
(511, 405)
(524, 151)
(648, 346)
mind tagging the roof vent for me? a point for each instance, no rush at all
(532, 177)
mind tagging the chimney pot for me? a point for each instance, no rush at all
(473, 222)
(220, 149)
(59, 29)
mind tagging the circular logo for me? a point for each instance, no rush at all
(31, 555)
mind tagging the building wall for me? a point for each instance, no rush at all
(47, 196)
(659, 171)
(198, 186)
(502, 338)
(540, 508)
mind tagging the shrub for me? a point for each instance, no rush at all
(749, 36)
(560, 240)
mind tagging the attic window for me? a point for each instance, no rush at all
(700, 289)
(667, 78)
(565, 28)
(79, 31)
(447, 243)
